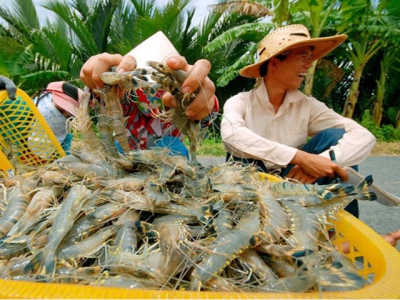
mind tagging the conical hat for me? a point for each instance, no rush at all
(156, 48)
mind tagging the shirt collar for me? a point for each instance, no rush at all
(290, 97)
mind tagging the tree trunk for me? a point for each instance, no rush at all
(377, 113)
(380, 92)
(351, 100)
(310, 79)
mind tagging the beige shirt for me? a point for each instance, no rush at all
(250, 128)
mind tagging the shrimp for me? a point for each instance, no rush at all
(229, 192)
(171, 81)
(90, 223)
(126, 239)
(252, 260)
(115, 113)
(225, 248)
(127, 281)
(133, 182)
(82, 123)
(88, 246)
(16, 208)
(276, 221)
(45, 259)
(310, 194)
(172, 233)
(40, 201)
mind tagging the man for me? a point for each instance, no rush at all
(144, 131)
(269, 125)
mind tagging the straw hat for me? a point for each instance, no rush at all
(287, 38)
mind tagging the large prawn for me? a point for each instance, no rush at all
(170, 81)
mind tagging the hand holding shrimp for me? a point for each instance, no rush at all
(197, 110)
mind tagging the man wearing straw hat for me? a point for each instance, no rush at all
(270, 125)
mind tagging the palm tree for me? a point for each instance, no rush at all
(238, 30)
(365, 40)
(28, 49)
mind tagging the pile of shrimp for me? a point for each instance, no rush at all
(149, 220)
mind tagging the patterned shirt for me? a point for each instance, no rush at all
(143, 128)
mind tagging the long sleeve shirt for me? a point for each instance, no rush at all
(251, 128)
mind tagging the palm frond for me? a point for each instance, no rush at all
(236, 32)
(243, 7)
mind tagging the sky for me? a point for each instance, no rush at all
(200, 5)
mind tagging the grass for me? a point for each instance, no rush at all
(386, 149)
(214, 147)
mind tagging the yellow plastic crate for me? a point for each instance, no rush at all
(25, 137)
(379, 259)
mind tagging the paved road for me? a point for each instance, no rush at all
(385, 171)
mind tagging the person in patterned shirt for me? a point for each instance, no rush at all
(144, 131)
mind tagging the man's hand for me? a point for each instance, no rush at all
(197, 110)
(204, 102)
(100, 63)
(298, 174)
(317, 166)
(9, 86)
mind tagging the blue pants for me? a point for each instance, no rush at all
(173, 144)
(317, 144)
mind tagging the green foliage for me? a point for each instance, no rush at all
(385, 133)
(392, 114)
(211, 146)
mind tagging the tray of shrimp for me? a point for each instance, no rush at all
(156, 226)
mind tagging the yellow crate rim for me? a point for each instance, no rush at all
(384, 259)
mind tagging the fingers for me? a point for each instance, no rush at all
(95, 66)
(396, 235)
(203, 104)
(342, 173)
(128, 63)
(198, 77)
(390, 239)
(177, 62)
(300, 175)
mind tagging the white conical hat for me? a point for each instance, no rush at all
(156, 48)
